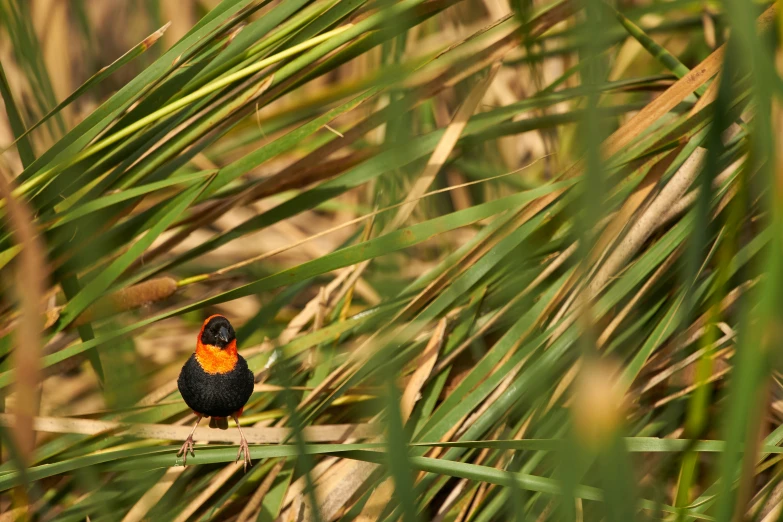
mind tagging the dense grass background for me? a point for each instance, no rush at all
(489, 259)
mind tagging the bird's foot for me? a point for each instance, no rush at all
(186, 447)
(243, 449)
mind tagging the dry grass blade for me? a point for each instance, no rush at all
(675, 94)
(646, 223)
(444, 147)
(215, 484)
(424, 367)
(253, 504)
(655, 213)
(382, 495)
(632, 204)
(617, 319)
(651, 218)
(294, 500)
(268, 435)
(551, 267)
(310, 310)
(32, 274)
(378, 502)
(153, 495)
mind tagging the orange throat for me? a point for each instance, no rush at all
(214, 360)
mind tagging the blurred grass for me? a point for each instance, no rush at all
(488, 259)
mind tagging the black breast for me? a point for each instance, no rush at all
(215, 395)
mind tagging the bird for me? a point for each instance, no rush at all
(216, 382)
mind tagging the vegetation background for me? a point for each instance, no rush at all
(488, 259)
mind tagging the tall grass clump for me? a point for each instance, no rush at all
(488, 259)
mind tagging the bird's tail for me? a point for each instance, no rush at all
(218, 422)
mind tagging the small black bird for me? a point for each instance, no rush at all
(216, 382)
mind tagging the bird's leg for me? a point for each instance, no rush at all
(188, 445)
(242, 445)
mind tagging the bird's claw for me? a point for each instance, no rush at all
(243, 449)
(186, 447)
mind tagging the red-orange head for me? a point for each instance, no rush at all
(216, 346)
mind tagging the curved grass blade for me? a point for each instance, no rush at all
(98, 77)
(24, 146)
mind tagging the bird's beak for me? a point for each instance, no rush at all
(223, 334)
